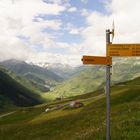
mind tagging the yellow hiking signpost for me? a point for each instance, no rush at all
(106, 60)
(112, 50)
(123, 50)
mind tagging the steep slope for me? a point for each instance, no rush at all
(13, 93)
(92, 78)
(37, 82)
(86, 123)
(34, 73)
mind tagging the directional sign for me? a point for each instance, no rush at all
(97, 60)
(123, 50)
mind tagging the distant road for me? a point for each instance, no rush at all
(7, 114)
(95, 97)
(57, 107)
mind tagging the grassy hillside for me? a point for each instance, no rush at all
(12, 93)
(86, 123)
(92, 78)
(88, 80)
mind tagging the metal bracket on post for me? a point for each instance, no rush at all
(112, 70)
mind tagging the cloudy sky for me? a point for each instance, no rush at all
(61, 31)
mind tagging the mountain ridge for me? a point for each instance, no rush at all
(14, 93)
(33, 73)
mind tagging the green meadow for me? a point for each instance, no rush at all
(85, 123)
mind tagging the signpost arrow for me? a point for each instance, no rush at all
(99, 60)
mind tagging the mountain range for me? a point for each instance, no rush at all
(92, 78)
(66, 81)
(42, 78)
(63, 70)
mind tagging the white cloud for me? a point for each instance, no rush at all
(58, 1)
(71, 29)
(84, 12)
(72, 9)
(94, 34)
(74, 31)
(15, 48)
(18, 19)
(126, 20)
(125, 15)
(55, 58)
